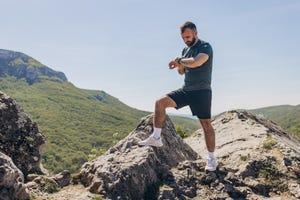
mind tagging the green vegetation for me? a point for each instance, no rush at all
(35, 197)
(79, 124)
(25, 60)
(186, 126)
(269, 143)
(96, 153)
(97, 197)
(183, 133)
(245, 157)
(47, 184)
(286, 116)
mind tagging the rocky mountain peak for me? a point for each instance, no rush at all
(20, 65)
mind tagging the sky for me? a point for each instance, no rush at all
(124, 46)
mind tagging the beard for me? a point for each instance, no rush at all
(191, 43)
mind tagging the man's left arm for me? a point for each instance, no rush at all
(194, 62)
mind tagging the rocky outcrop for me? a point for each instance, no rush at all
(20, 138)
(11, 180)
(41, 186)
(128, 171)
(63, 178)
(258, 160)
(20, 65)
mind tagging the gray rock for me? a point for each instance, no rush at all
(135, 172)
(31, 177)
(43, 184)
(11, 180)
(20, 138)
(63, 178)
(295, 189)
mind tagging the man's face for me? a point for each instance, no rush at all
(189, 36)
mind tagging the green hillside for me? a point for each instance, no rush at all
(287, 116)
(79, 124)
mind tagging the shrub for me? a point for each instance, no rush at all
(182, 132)
(269, 143)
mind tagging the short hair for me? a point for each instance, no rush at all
(186, 25)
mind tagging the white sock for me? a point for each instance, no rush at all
(211, 155)
(156, 133)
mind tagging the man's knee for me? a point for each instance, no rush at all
(165, 102)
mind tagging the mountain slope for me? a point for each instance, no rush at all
(286, 116)
(79, 124)
(73, 121)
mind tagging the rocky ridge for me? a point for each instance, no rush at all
(257, 160)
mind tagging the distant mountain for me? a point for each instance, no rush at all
(286, 116)
(20, 65)
(79, 124)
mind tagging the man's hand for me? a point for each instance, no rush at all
(174, 63)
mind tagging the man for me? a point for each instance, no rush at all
(196, 65)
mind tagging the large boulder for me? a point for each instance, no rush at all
(128, 171)
(11, 180)
(20, 138)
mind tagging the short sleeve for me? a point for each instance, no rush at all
(206, 48)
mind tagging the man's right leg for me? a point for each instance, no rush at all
(160, 110)
(159, 117)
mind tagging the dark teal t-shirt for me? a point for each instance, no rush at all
(198, 78)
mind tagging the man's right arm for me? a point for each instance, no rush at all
(174, 63)
(180, 69)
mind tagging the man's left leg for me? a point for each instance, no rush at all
(209, 135)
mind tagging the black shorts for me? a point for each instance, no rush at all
(199, 101)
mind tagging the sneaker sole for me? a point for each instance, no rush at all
(150, 145)
(212, 170)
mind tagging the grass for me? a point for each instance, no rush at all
(269, 143)
(47, 184)
(35, 197)
(245, 157)
(97, 197)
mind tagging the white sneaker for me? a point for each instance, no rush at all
(151, 141)
(211, 164)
